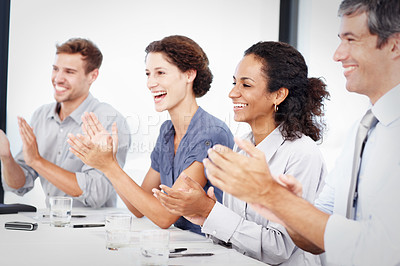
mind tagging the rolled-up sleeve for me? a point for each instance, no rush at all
(270, 244)
(30, 175)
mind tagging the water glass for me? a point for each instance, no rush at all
(60, 211)
(154, 247)
(118, 227)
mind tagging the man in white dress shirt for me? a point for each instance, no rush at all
(370, 55)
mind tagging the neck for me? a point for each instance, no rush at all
(376, 95)
(181, 118)
(387, 81)
(262, 128)
(67, 107)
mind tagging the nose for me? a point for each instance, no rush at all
(58, 77)
(151, 81)
(341, 52)
(234, 93)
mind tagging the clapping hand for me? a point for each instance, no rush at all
(96, 147)
(192, 202)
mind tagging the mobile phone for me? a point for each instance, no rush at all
(26, 226)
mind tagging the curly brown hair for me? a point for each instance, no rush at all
(186, 54)
(91, 54)
(302, 110)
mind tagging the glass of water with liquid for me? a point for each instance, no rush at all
(60, 211)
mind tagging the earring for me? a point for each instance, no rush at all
(276, 108)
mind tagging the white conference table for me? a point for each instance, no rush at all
(86, 246)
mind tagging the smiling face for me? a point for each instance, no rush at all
(71, 83)
(169, 86)
(251, 101)
(364, 64)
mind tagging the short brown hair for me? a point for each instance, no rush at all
(185, 54)
(92, 55)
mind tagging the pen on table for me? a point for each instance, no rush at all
(87, 225)
(73, 216)
(177, 250)
(174, 255)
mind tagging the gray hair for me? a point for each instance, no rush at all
(383, 16)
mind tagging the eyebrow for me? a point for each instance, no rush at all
(244, 78)
(247, 78)
(346, 34)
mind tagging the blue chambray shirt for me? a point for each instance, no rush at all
(204, 131)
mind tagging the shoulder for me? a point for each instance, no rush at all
(106, 113)
(44, 110)
(303, 147)
(212, 124)
(103, 108)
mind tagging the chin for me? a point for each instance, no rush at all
(159, 109)
(239, 118)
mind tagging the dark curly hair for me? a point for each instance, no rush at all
(92, 55)
(186, 54)
(303, 109)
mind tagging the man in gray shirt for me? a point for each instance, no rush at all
(45, 152)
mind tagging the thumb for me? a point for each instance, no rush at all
(248, 147)
(114, 133)
(109, 143)
(210, 193)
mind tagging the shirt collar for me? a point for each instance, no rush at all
(170, 132)
(386, 109)
(270, 144)
(76, 115)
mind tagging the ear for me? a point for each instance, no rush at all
(280, 95)
(395, 46)
(93, 75)
(191, 75)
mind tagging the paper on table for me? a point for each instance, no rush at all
(90, 218)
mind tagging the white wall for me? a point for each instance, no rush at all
(317, 40)
(122, 29)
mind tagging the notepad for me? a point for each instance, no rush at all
(15, 208)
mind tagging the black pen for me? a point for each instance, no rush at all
(174, 255)
(87, 225)
(73, 216)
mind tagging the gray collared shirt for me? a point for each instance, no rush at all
(52, 134)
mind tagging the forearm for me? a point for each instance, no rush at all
(12, 173)
(138, 201)
(302, 218)
(304, 243)
(59, 177)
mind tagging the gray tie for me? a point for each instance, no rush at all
(367, 122)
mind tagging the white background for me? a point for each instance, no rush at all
(123, 28)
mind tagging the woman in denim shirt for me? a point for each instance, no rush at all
(177, 71)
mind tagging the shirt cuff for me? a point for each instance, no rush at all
(214, 226)
(340, 239)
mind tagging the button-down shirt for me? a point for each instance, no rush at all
(204, 131)
(374, 237)
(51, 136)
(249, 232)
